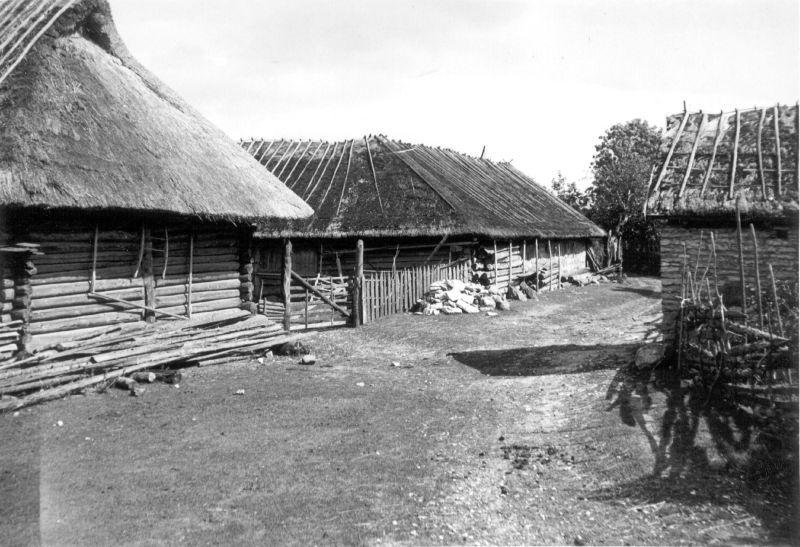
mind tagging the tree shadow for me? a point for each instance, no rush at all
(544, 360)
(749, 467)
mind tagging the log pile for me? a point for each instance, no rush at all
(453, 297)
(10, 337)
(71, 366)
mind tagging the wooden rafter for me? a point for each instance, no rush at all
(333, 177)
(717, 139)
(346, 174)
(275, 153)
(674, 144)
(760, 156)
(700, 127)
(735, 159)
(321, 161)
(322, 173)
(289, 150)
(296, 163)
(374, 176)
(303, 170)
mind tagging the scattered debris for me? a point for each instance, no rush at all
(360, 384)
(239, 392)
(309, 359)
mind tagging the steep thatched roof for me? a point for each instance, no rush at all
(84, 126)
(390, 188)
(696, 177)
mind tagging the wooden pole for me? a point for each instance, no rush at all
(495, 263)
(94, 257)
(536, 259)
(550, 269)
(509, 262)
(776, 124)
(775, 299)
(374, 176)
(148, 279)
(524, 255)
(758, 277)
(735, 159)
(166, 253)
(558, 248)
(671, 151)
(741, 260)
(191, 275)
(287, 285)
(710, 166)
(692, 154)
(358, 284)
(760, 154)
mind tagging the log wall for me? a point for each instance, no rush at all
(776, 246)
(59, 304)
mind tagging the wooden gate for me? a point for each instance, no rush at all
(308, 309)
(396, 291)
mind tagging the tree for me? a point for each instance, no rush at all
(622, 165)
(568, 193)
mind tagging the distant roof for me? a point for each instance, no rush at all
(696, 175)
(375, 186)
(84, 126)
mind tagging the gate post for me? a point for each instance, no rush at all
(287, 285)
(359, 276)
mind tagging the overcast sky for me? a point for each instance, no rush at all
(536, 82)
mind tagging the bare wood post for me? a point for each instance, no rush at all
(735, 153)
(741, 260)
(189, 281)
(148, 279)
(775, 299)
(94, 257)
(536, 260)
(166, 253)
(339, 267)
(287, 285)
(558, 247)
(306, 307)
(671, 151)
(495, 263)
(524, 255)
(775, 117)
(435, 249)
(760, 156)
(357, 283)
(550, 269)
(758, 278)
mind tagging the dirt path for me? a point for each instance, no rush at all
(517, 429)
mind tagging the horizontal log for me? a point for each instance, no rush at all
(214, 305)
(123, 272)
(82, 322)
(92, 307)
(181, 299)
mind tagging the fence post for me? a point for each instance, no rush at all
(357, 283)
(287, 285)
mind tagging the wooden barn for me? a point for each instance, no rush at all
(715, 165)
(118, 202)
(423, 213)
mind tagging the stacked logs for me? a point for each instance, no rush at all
(71, 366)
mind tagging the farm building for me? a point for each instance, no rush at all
(118, 202)
(713, 166)
(418, 210)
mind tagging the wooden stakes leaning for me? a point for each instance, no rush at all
(775, 299)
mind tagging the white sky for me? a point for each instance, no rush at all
(536, 82)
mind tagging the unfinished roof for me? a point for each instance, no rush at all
(697, 177)
(375, 186)
(84, 126)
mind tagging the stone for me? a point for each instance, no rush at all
(309, 359)
(453, 295)
(650, 355)
(455, 284)
(451, 311)
(466, 307)
(487, 301)
(503, 305)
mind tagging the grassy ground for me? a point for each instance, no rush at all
(524, 428)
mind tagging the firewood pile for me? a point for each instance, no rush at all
(124, 351)
(9, 339)
(453, 297)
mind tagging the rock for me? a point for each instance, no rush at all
(487, 301)
(239, 392)
(395, 364)
(650, 355)
(360, 384)
(512, 293)
(503, 305)
(309, 359)
(527, 290)
(451, 311)
(455, 285)
(466, 307)
(453, 295)
(486, 308)
(492, 314)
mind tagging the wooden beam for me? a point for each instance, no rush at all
(509, 262)
(691, 155)
(741, 261)
(346, 174)
(758, 277)
(735, 159)
(358, 318)
(436, 249)
(663, 172)
(760, 153)
(550, 269)
(717, 139)
(287, 285)
(190, 276)
(148, 279)
(775, 116)
(94, 257)
(146, 308)
(495, 263)
(166, 253)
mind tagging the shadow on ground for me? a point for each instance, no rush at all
(544, 360)
(647, 293)
(707, 452)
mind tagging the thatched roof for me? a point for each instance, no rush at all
(390, 188)
(84, 126)
(696, 177)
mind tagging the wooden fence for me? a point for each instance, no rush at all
(389, 292)
(308, 310)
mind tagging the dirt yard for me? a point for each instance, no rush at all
(525, 428)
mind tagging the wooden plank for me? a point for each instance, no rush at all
(710, 167)
(735, 159)
(760, 152)
(663, 172)
(700, 127)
